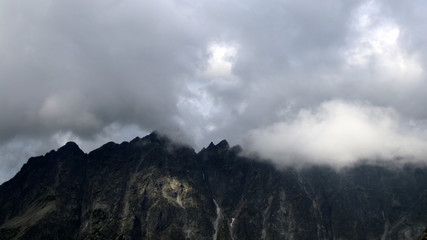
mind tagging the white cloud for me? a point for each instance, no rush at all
(220, 60)
(338, 133)
(375, 47)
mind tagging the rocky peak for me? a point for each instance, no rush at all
(152, 189)
(70, 148)
(222, 146)
(156, 137)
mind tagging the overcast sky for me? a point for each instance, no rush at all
(311, 81)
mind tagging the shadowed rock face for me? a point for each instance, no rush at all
(151, 188)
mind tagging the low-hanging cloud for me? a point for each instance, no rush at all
(338, 133)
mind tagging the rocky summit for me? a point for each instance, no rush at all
(151, 188)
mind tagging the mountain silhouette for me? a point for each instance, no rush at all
(153, 188)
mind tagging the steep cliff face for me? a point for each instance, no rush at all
(151, 188)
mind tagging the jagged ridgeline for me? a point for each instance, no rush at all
(151, 188)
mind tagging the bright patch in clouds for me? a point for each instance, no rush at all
(376, 47)
(199, 101)
(340, 133)
(220, 60)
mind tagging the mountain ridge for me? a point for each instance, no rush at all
(153, 188)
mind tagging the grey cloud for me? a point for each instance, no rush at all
(291, 62)
(84, 65)
(71, 70)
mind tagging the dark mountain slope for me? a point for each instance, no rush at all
(151, 188)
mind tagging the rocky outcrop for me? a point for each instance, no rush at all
(151, 188)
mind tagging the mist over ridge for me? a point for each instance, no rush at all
(152, 187)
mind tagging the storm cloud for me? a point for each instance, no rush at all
(329, 82)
